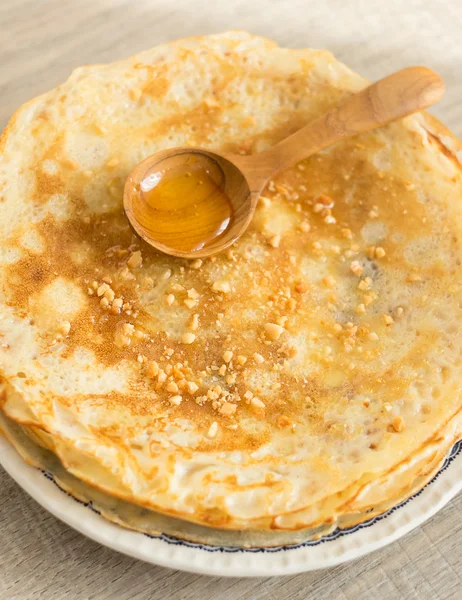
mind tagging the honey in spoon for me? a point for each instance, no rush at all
(182, 203)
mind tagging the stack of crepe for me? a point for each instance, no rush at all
(307, 378)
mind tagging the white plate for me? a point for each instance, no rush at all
(336, 548)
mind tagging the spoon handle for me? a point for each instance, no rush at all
(393, 97)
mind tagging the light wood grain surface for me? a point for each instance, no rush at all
(40, 43)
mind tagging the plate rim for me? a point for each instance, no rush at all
(196, 558)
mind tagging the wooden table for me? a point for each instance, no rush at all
(40, 43)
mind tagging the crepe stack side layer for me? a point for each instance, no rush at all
(308, 376)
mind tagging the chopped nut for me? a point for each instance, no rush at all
(194, 326)
(64, 328)
(248, 395)
(135, 260)
(370, 252)
(152, 369)
(264, 201)
(387, 406)
(227, 356)
(304, 226)
(275, 240)
(398, 424)
(196, 264)
(273, 331)
(365, 284)
(241, 359)
(188, 338)
(113, 162)
(368, 299)
(167, 274)
(128, 329)
(102, 289)
(360, 309)
(257, 403)
(190, 303)
(161, 378)
(192, 387)
(227, 409)
(194, 294)
(222, 370)
(117, 304)
(330, 220)
(380, 252)
(104, 302)
(109, 295)
(213, 430)
(301, 287)
(176, 400)
(388, 319)
(125, 274)
(172, 387)
(356, 268)
(169, 299)
(258, 358)
(347, 233)
(221, 286)
(399, 311)
(373, 336)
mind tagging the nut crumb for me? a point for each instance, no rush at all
(188, 338)
(275, 240)
(257, 403)
(152, 369)
(135, 260)
(196, 264)
(176, 400)
(398, 424)
(356, 268)
(190, 303)
(227, 356)
(273, 331)
(221, 286)
(64, 328)
(258, 358)
(227, 409)
(194, 326)
(388, 319)
(213, 430)
(193, 294)
(192, 387)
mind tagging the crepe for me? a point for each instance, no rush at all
(308, 374)
(138, 518)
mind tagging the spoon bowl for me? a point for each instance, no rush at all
(197, 236)
(193, 203)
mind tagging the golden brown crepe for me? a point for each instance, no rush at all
(309, 373)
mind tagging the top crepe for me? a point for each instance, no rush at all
(276, 385)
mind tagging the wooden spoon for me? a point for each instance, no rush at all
(183, 217)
